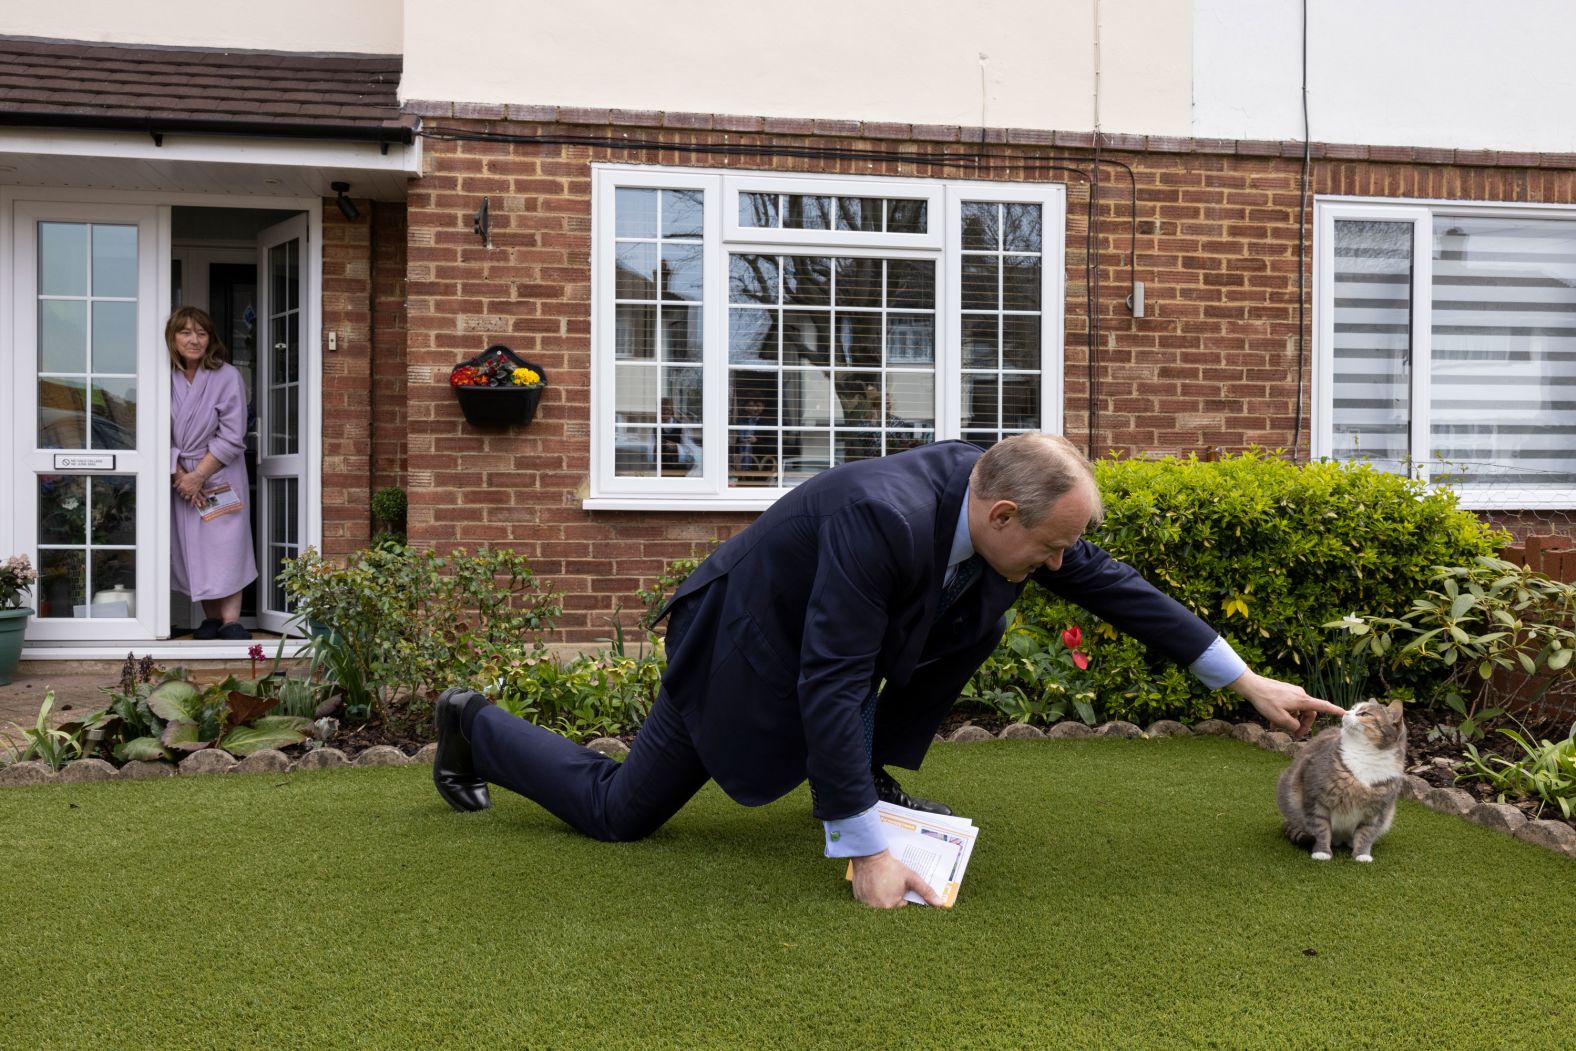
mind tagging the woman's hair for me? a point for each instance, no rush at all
(178, 320)
(1033, 471)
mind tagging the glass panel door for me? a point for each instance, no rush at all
(281, 407)
(91, 418)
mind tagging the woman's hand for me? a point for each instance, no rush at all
(188, 486)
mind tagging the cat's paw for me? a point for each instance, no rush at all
(1320, 855)
(1362, 857)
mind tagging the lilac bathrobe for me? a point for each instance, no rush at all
(212, 559)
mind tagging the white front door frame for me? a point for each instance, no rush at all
(151, 443)
(312, 365)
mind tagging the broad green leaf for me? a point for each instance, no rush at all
(1559, 659)
(147, 749)
(1526, 662)
(244, 740)
(185, 736)
(175, 700)
(1461, 604)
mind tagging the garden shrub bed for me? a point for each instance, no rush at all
(1264, 550)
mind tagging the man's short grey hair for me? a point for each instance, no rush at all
(1033, 471)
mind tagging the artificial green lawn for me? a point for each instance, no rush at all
(1124, 894)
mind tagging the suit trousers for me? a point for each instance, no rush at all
(908, 716)
(597, 796)
(608, 800)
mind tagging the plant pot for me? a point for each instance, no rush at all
(13, 625)
(498, 406)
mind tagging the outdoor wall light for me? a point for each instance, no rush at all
(347, 207)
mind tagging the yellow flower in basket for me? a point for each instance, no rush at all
(524, 377)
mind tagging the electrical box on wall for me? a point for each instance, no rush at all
(1135, 299)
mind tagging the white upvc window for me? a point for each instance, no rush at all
(753, 329)
(1446, 345)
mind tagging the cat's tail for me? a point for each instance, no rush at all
(1288, 797)
(1298, 835)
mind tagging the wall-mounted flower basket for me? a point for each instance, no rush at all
(498, 388)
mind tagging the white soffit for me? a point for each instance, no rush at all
(189, 163)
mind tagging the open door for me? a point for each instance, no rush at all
(89, 406)
(283, 306)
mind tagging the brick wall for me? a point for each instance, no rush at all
(1214, 365)
(388, 360)
(347, 388)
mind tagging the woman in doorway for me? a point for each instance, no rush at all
(212, 527)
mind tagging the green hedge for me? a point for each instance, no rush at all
(1264, 550)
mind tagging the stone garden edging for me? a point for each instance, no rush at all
(207, 761)
(1502, 817)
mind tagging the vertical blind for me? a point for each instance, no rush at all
(1503, 351)
(1500, 349)
(1373, 343)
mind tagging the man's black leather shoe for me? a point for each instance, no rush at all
(889, 791)
(452, 770)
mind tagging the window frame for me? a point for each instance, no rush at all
(723, 235)
(1328, 210)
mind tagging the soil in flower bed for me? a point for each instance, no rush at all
(353, 738)
(1439, 761)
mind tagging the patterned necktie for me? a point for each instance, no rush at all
(968, 572)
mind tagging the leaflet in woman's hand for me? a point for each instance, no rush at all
(218, 500)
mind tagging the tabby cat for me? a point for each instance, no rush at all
(1342, 787)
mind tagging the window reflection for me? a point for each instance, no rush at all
(796, 211)
(1002, 275)
(87, 535)
(659, 332)
(842, 370)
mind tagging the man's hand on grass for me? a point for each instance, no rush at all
(881, 880)
(1291, 708)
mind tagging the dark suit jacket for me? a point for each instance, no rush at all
(835, 588)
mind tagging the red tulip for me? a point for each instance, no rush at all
(1081, 659)
(1072, 638)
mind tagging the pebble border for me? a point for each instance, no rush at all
(1501, 817)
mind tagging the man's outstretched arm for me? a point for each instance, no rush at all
(1289, 707)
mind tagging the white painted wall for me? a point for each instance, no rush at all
(359, 26)
(1388, 72)
(1008, 63)
(1456, 73)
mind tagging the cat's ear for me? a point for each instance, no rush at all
(1394, 708)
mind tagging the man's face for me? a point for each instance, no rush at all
(1014, 551)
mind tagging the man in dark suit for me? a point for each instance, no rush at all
(830, 638)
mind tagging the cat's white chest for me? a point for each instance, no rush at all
(1368, 764)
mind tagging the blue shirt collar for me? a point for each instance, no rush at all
(962, 544)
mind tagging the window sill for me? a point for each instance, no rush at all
(750, 504)
(1515, 499)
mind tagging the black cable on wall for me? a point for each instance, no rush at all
(1302, 249)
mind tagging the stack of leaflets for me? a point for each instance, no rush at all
(935, 847)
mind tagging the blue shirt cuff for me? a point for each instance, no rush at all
(1219, 666)
(854, 837)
